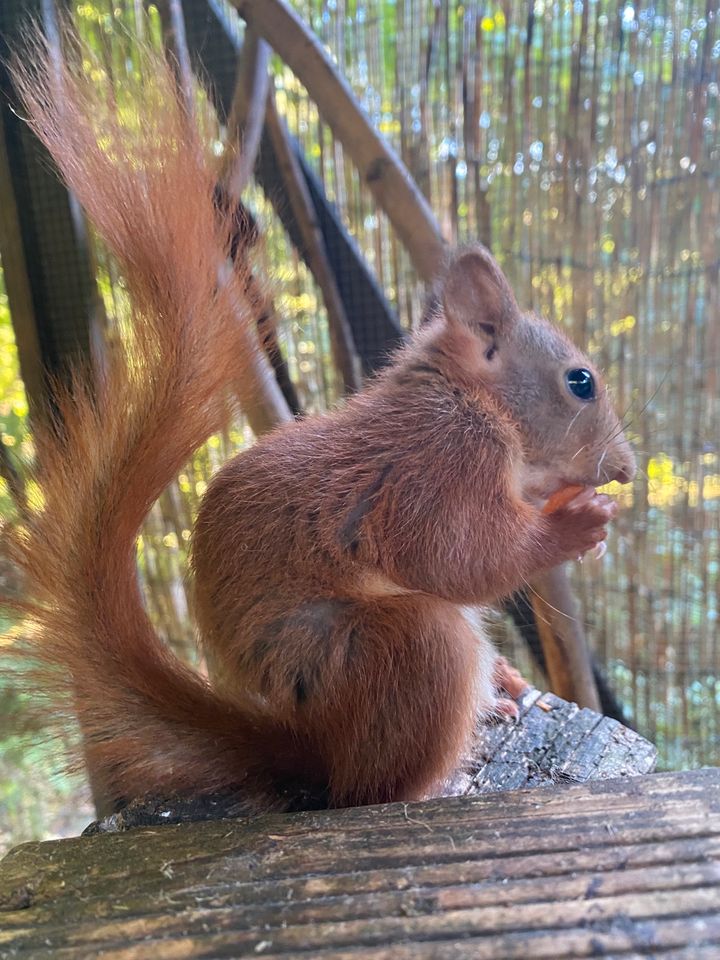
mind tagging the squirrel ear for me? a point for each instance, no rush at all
(476, 292)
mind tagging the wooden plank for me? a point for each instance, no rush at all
(612, 868)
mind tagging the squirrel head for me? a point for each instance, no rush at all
(556, 397)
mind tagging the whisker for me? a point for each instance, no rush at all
(561, 613)
(626, 422)
(618, 433)
(647, 403)
(602, 458)
(574, 419)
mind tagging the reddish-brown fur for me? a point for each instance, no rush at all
(333, 559)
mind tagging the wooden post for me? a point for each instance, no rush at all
(49, 275)
(567, 658)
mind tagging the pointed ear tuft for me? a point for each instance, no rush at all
(476, 292)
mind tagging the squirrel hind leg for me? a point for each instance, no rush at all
(382, 694)
(509, 685)
(287, 653)
(399, 716)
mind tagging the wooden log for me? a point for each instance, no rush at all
(616, 868)
(553, 741)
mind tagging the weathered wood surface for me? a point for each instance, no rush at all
(554, 741)
(616, 868)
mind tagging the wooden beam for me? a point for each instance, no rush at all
(49, 274)
(623, 868)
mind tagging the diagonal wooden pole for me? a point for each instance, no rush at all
(263, 402)
(567, 658)
(345, 357)
(379, 166)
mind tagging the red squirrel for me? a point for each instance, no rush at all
(335, 560)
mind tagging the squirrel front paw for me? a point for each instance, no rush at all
(580, 525)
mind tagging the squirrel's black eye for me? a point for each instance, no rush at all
(581, 383)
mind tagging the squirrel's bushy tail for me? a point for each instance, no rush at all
(139, 168)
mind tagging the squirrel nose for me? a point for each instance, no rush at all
(625, 473)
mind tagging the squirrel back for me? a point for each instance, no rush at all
(334, 559)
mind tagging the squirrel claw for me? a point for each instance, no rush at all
(506, 708)
(509, 681)
(581, 526)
